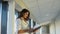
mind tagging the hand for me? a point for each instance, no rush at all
(23, 31)
(30, 30)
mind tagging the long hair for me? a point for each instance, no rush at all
(23, 12)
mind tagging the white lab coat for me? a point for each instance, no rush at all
(20, 24)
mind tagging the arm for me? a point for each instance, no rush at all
(26, 30)
(36, 28)
(22, 31)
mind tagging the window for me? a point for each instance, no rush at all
(4, 17)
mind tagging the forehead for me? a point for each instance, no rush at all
(27, 13)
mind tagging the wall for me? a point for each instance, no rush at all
(55, 26)
(52, 28)
(57, 23)
(11, 16)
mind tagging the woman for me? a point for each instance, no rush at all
(22, 20)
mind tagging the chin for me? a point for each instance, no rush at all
(26, 18)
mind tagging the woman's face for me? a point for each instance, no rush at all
(25, 15)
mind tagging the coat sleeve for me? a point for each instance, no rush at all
(18, 25)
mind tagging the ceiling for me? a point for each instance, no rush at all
(19, 8)
(42, 10)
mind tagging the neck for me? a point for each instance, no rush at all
(23, 19)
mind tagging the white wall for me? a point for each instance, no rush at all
(55, 26)
(11, 16)
(57, 23)
(52, 28)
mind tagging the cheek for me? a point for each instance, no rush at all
(26, 16)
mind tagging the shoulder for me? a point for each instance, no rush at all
(18, 19)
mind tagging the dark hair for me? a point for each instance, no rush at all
(23, 12)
